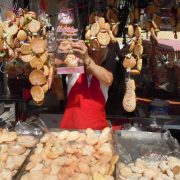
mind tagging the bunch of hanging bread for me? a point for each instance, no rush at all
(100, 33)
(24, 37)
(133, 60)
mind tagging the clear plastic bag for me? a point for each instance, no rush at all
(33, 126)
(67, 31)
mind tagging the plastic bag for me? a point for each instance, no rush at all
(67, 30)
(32, 126)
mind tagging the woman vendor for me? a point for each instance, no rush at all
(87, 92)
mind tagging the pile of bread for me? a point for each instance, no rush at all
(23, 36)
(141, 169)
(73, 155)
(13, 151)
(100, 33)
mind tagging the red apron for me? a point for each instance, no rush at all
(85, 106)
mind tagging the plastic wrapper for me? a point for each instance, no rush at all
(33, 126)
(66, 32)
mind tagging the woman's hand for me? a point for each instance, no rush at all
(81, 50)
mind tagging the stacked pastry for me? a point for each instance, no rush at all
(73, 155)
(13, 152)
(168, 169)
(25, 38)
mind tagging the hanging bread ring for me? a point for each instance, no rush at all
(37, 77)
(34, 26)
(36, 62)
(101, 22)
(38, 45)
(9, 15)
(37, 93)
(129, 61)
(107, 27)
(1, 30)
(11, 30)
(10, 41)
(94, 29)
(22, 35)
(25, 49)
(138, 50)
(103, 38)
(130, 31)
(1, 44)
(26, 58)
(45, 87)
(44, 57)
(137, 32)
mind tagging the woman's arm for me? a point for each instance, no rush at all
(99, 72)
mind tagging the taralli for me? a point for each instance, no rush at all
(26, 58)
(103, 38)
(22, 35)
(130, 31)
(129, 62)
(36, 62)
(34, 26)
(101, 22)
(37, 77)
(9, 15)
(137, 32)
(45, 87)
(94, 29)
(37, 93)
(25, 49)
(38, 45)
(138, 50)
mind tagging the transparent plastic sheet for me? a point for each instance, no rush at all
(149, 146)
(33, 126)
(68, 31)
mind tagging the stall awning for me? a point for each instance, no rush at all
(168, 45)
